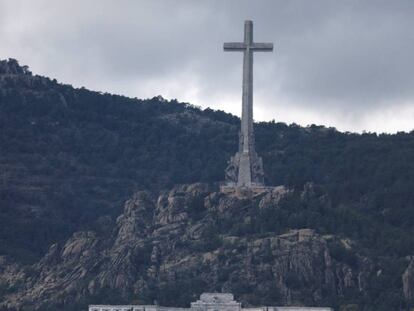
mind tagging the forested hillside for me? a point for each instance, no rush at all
(69, 158)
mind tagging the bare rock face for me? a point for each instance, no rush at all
(172, 246)
(408, 281)
(136, 220)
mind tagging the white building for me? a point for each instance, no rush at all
(207, 302)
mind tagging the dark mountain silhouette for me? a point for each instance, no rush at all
(70, 158)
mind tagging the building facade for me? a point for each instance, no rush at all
(207, 302)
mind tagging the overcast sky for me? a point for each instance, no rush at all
(347, 64)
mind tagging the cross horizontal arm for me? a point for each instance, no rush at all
(262, 47)
(234, 46)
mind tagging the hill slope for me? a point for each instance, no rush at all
(172, 246)
(70, 158)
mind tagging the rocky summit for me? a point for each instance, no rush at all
(339, 232)
(172, 246)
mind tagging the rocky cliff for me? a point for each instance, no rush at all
(342, 235)
(173, 246)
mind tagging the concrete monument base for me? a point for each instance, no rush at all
(242, 191)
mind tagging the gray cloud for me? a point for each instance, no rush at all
(347, 64)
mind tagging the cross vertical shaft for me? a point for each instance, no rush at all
(247, 98)
(245, 168)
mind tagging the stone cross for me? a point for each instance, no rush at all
(245, 168)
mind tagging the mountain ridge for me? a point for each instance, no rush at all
(70, 158)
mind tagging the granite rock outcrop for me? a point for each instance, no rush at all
(183, 242)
